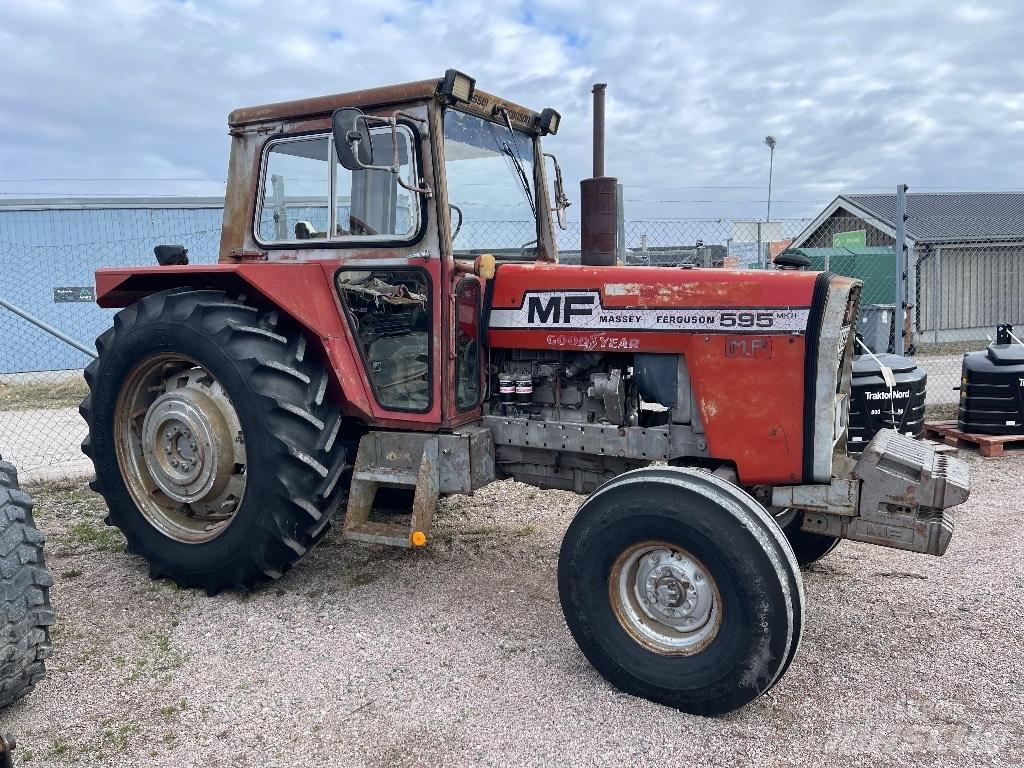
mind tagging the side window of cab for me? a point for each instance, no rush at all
(307, 198)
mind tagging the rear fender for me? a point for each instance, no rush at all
(302, 291)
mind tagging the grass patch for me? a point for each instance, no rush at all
(65, 392)
(172, 709)
(950, 347)
(117, 739)
(102, 538)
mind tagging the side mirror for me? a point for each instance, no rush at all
(561, 200)
(352, 138)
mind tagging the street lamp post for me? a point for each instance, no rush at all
(770, 141)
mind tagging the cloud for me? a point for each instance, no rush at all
(860, 95)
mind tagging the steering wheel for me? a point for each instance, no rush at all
(459, 227)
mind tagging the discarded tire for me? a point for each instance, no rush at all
(680, 588)
(25, 612)
(214, 441)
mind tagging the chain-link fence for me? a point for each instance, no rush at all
(956, 291)
(48, 258)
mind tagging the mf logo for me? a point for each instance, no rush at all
(748, 346)
(556, 309)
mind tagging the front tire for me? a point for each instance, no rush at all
(679, 587)
(214, 442)
(25, 612)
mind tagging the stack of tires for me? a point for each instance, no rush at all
(25, 612)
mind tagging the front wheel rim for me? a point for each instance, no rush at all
(665, 598)
(180, 448)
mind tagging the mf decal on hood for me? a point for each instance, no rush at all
(583, 310)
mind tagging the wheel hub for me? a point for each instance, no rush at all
(182, 434)
(665, 598)
(673, 590)
(180, 448)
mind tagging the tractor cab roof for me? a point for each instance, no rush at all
(483, 104)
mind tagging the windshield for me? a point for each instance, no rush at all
(490, 187)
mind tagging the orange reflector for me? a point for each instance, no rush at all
(419, 538)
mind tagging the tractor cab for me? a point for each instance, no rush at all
(417, 190)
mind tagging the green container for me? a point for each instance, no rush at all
(874, 265)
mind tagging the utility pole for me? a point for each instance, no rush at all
(900, 252)
(770, 141)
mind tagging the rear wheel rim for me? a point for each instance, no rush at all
(180, 448)
(665, 598)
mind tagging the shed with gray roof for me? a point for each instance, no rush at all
(965, 268)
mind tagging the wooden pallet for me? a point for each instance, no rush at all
(939, 447)
(989, 446)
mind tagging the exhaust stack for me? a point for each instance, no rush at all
(599, 200)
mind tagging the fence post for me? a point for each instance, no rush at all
(900, 253)
(280, 213)
(936, 282)
(620, 217)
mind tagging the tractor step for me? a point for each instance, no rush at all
(392, 534)
(387, 477)
(394, 459)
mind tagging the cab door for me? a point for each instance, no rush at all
(464, 395)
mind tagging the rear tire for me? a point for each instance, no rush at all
(25, 612)
(699, 529)
(251, 504)
(808, 547)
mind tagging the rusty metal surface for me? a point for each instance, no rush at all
(324, 105)
(467, 459)
(599, 89)
(483, 104)
(239, 200)
(394, 459)
(836, 498)
(427, 492)
(599, 230)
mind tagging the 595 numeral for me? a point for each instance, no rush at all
(747, 320)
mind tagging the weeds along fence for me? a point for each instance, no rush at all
(957, 290)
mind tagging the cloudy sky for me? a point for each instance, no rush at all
(132, 96)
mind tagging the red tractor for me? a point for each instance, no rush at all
(379, 318)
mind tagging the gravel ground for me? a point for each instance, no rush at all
(458, 655)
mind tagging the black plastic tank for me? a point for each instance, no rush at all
(873, 406)
(992, 391)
